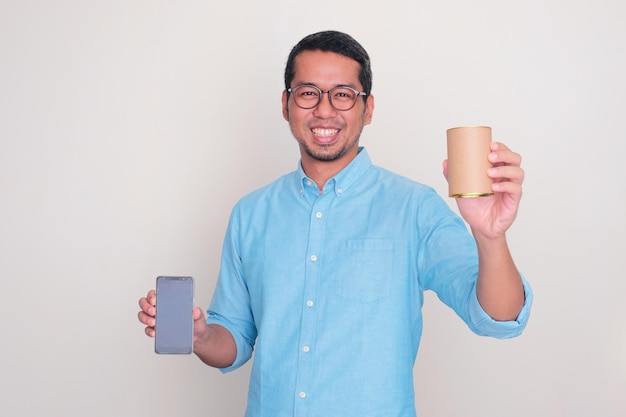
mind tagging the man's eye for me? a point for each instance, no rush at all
(344, 94)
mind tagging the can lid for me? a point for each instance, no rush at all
(464, 127)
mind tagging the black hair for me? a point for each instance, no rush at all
(337, 42)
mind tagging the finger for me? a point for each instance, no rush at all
(445, 168)
(511, 188)
(498, 146)
(150, 331)
(146, 319)
(506, 173)
(147, 307)
(198, 314)
(500, 154)
(151, 297)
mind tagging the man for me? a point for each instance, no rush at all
(323, 271)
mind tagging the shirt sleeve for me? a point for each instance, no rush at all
(448, 265)
(481, 323)
(230, 306)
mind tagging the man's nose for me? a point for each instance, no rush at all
(324, 107)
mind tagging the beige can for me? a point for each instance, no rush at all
(468, 151)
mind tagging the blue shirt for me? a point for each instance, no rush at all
(327, 288)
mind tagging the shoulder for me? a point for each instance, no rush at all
(281, 186)
(393, 189)
(397, 183)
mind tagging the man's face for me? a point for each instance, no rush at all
(324, 133)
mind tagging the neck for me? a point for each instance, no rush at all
(321, 171)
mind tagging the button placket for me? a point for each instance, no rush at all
(309, 313)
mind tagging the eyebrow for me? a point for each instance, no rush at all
(337, 85)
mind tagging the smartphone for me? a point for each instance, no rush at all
(174, 315)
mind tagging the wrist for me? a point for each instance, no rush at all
(488, 239)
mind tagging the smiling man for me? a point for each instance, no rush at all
(323, 271)
(326, 115)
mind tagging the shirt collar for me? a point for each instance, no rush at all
(343, 179)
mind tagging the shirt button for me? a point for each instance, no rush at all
(309, 183)
(302, 394)
(309, 303)
(306, 349)
(313, 258)
(318, 215)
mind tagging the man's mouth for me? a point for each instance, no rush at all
(324, 133)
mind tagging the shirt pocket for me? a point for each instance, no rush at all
(364, 269)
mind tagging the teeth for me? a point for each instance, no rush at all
(325, 132)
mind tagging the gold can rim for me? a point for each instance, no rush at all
(470, 195)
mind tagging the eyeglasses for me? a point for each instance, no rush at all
(308, 96)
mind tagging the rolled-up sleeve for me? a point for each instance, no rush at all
(481, 323)
(244, 345)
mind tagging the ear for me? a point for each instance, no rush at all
(285, 98)
(369, 110)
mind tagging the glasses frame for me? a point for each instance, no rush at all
(330, 97)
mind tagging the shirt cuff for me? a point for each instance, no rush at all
(244, 347)
(485, 325)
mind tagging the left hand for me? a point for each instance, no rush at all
(492, 216)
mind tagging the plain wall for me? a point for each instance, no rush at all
(128, 129)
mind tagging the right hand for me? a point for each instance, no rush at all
(147, 315)
(148, 311)
(213, 344)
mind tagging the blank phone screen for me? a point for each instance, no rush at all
(174, 317)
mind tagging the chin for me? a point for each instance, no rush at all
(322, 152)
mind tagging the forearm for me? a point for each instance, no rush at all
(216, 347)
(499, 288)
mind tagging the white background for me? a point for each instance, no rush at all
(128, 129)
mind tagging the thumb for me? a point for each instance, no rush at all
(198, 314)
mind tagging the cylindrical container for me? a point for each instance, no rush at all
(468, 151)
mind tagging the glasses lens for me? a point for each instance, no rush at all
(306, 96)
(343, 98)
